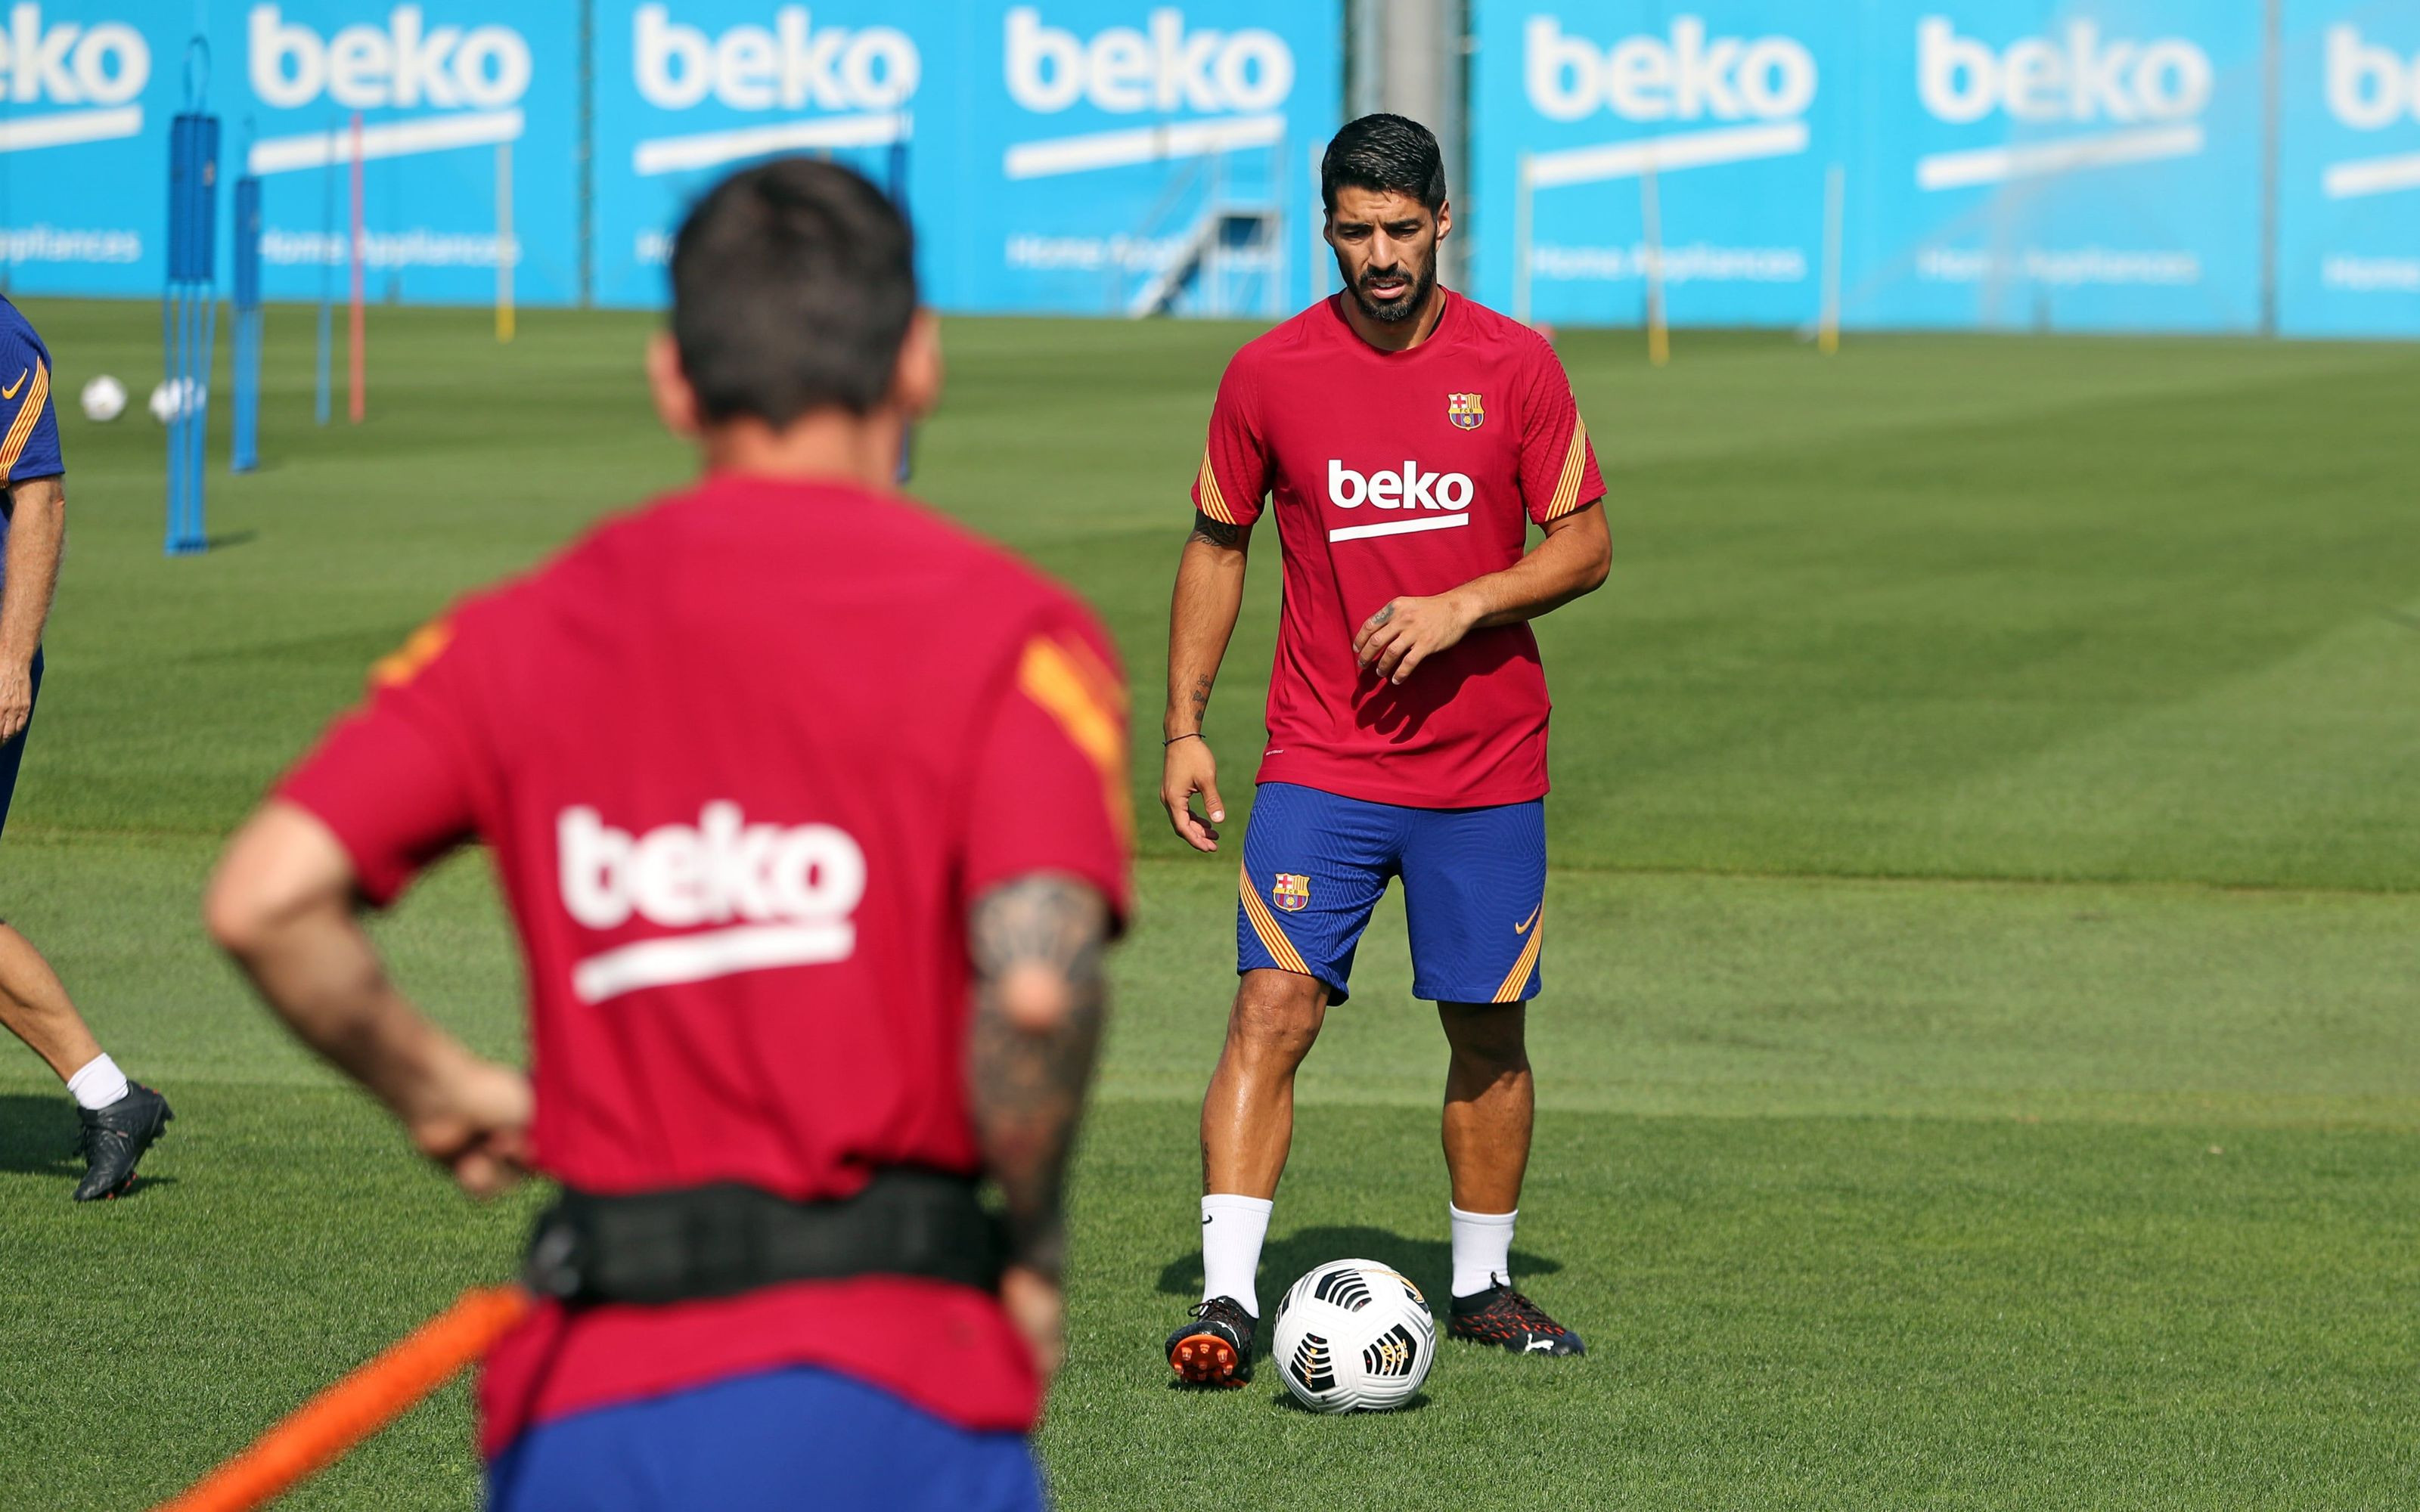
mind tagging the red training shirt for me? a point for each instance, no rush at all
(1398, 474)
(743, 758)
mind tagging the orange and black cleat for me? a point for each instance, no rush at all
(1214, 1349)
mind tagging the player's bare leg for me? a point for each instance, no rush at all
(1490, 1102)
(1490, 1108)
(1248, 1113)
(121, 1118)
(1247, 1128)
(34, 1005)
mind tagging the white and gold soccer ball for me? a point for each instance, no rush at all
(105, 399)
(1353, 1336)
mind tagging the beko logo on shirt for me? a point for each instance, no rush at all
(779, 896)
(1408, 489)
(1448, 494)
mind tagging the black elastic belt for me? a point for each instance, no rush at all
(719, 1240)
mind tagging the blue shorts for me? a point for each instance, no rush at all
(12, 755)
(792, 1438)
(1474, 889)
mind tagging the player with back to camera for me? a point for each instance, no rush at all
(1407, 437)
(119, 1119)
(809, 811)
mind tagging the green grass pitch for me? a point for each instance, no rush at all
(1978, 1066)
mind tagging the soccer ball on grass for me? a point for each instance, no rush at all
(1353, 1335)
(105, 399)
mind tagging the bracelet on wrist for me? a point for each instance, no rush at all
(1189, 735)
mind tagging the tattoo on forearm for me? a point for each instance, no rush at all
(1215, 531)
(1040, 999)
(1200, 696)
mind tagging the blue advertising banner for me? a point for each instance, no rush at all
(1111, 157)
(86, 92)
(2349, 255)
(688, 89)
(1602, 131)
(2068, 164)
(455, 96)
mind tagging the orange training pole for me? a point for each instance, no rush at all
(360, 401)
(323, 1429)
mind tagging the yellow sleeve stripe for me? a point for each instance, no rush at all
(1264, 924)
(1519, 978)
(27, 414)
(403, 663)
(1567, 489)
(1053, 679)
(1206, 485)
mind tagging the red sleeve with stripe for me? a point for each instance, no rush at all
(396, 779)
(1559, 472)
(1051, 769)
(1234, 473)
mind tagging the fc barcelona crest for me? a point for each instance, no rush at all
(1291, 893)
(1464, 410)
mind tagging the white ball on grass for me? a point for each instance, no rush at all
(105, 399)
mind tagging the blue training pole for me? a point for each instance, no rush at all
(189, 318)
(245, 451)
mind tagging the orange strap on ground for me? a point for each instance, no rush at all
(323, 1429)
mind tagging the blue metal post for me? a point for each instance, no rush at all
(190, 314)
(244, 454)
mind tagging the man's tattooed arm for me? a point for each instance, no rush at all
(1039, 1003)
(1218, 533)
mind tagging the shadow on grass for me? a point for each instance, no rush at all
(38, 1138)
(37, 1134)
(1429, 1262)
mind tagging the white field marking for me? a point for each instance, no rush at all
(1399, 527)
(2372, 176)
(2104, 149)
(68, 128)
(711, 150)
(1667, 154)
(721, 952)
(1141, 143)
(391, 139)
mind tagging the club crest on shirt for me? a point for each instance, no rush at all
(1291, 893)
(1464, 410)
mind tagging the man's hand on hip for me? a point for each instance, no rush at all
(1408, 631)
(1188, 768)
(471, 1117)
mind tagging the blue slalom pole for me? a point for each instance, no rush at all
(190, 308)
(244, 452)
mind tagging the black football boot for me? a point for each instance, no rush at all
(115, 1137)
(1214, 1349)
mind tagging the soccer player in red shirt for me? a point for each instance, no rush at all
(1406, 438)
(809, 810)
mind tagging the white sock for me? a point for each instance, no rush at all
(98, 1085)
(1482, 1249)
(1233, 1229)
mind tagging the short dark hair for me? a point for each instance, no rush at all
(794, 283)
(1384, 153)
